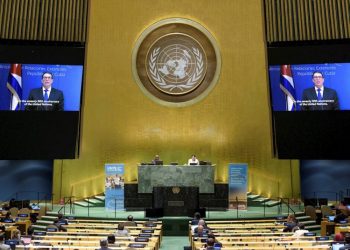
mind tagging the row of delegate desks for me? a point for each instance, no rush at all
(154, 228)
(21, 225)
(61, 241)
(33, 247)
(88, 233)
(328, 228)
(256, 235)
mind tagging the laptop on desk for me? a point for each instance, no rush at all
(331, 218)
(27, 239)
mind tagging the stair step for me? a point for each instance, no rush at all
(47, 217)
(93, 201)
(272, 203)
(82, 203)
(52, 213)
(308, 222)
(39, 228)
(43, 222)
(262, 199)
(302, 218)
(249, 193)
(300, 213)
(253, 196)
(100, 197)
(314, 227)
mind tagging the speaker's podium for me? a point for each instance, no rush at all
(176, 201)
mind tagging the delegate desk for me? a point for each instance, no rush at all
(201, 176)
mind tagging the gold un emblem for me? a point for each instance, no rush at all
(176, 62)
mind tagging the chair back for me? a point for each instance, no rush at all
(311, 211)
(326, 211)
(14, 211)
(42, 212)
(24, 211)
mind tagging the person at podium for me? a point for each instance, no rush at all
(156, 160)
(193, 160)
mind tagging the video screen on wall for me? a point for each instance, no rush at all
(310, 87)
(310, 93)
(40, 100)
(22, 87)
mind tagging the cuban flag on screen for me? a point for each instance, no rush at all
(287, 87)
(14, 84)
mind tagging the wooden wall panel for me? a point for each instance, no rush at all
(302, 20)
(44, 20)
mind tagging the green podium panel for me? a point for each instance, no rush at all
(201, 176)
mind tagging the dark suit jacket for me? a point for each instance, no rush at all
(329, 100)
(55, 102)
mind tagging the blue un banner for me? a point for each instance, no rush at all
(238, 180)
(114, 186)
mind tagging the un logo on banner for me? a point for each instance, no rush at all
(176, 62)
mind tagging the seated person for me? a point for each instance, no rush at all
(12, 203)
(121, 231)
(200, 231)
(130, 222)
(290, 223)
(155, 160)
(216, 242)
(30, 230)
(104, 245)
(196, 218)
(111, 241)
(7, 218)
(5, 206)
(340, 217)
(347, 242)
(193, 161)
(2, 245)
(338, 237)
(62, 220)
(299, 230)
(210, 244)
(16, 236)
(202, 228)
(33, 218)
(202, 222)
(59, 226)
(342, 212)
(2, 228)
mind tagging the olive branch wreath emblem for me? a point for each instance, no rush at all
(190, 82)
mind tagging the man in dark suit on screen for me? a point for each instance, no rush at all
(45, 98)
(319, 97)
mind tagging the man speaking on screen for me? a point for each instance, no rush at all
(319, 97)
(45, 98)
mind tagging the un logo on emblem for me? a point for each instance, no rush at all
(176, 62)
